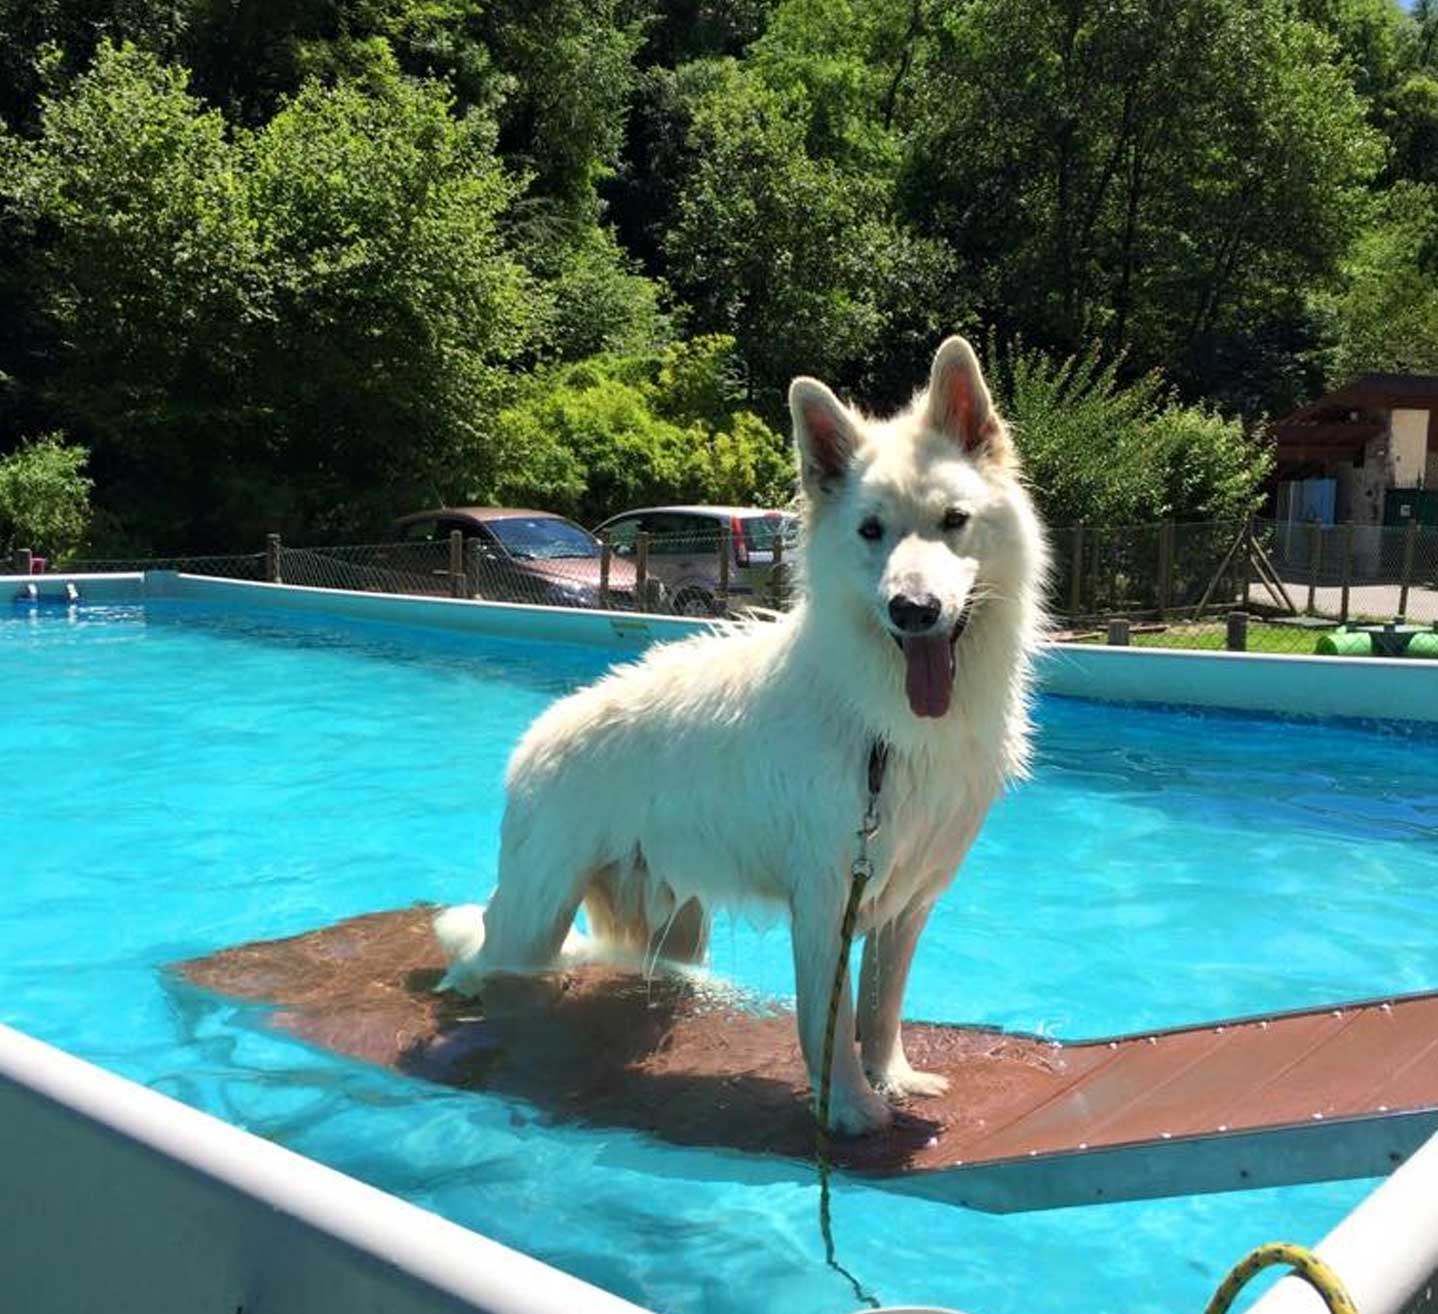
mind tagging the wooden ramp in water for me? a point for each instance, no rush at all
(1028, 1123)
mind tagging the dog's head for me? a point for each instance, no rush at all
(916, 524)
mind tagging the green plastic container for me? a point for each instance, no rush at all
(1340, 643)
(1423, 645)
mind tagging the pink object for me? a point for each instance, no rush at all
(37, 565)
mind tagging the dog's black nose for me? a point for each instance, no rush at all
(914, 615)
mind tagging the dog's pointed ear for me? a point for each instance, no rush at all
(959, 404)
(824, 433)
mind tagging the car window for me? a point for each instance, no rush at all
(420, 531)
(543, 538)
(761, 531)
(622, 536)
(676, 534)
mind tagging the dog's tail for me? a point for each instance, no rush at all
(460, 931)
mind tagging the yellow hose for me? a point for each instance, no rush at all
(1303, 1262)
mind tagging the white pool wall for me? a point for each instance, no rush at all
(1383, 688)
(1385, 1251)
(120, 1199)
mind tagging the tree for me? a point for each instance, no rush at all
(1161, 175)
(44, 497)
(790, 255)
(1385, 317)
(300, 328)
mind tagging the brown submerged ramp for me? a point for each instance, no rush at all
(1028, 1123)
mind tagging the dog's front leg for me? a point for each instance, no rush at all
(854, 1108)
(888, 952)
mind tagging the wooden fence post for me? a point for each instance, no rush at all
(1236, 638)
(726, 548)
(272, 558)
(1315, 562)
(456, 563)
(1247, 555)
(1165, 567)
(606, 555)
(471, 568)
(22, 561)
(1347, 575)
(1076, 576)
(776, 573)
(1410, 543)
(1118, 628)
(641, 571)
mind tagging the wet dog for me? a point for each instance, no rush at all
(731, 768)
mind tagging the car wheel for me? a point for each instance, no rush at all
(693, 602)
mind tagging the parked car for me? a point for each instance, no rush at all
(525, 556)
(684, 550)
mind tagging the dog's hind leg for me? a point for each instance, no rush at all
(888, 953)
(854, 1107)
(530, 913)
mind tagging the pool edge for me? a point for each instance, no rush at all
(120, 1179)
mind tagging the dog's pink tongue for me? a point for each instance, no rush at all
(929, 679)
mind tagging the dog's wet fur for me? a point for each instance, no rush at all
(731, 768)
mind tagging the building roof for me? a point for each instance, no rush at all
(1339, 423)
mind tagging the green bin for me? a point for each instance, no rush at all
(1341, 643)
(1423, 645)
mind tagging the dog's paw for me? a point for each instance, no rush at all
(859, 1114)
(898, 1082)
(463, 979)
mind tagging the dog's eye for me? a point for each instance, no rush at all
(954, 519)
(872, 530)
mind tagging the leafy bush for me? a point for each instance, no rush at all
(611, 433)
(44, 497)
(299, 328)
(1100, 451)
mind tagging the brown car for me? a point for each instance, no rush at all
(524, 556)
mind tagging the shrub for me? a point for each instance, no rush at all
(45, 497)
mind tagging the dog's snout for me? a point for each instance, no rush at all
(914, 615)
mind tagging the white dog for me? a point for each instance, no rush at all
(732, 768)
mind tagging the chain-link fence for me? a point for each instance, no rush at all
(235, 566)
(686, 574)
(1259, 585)
(1256, 585)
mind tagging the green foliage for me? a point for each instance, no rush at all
(1155, 175)
(1386, 315)
(599, 303)
(1099, 451)
(782, 251)
(45, 497)
(395, 306)
(613, 433)
(300, 266)
(250, 320)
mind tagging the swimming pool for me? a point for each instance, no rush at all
(190, 779)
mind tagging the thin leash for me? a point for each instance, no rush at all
(1304, 1263)
(859, 874)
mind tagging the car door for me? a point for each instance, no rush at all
(684, 553)
(501, 577)
(410, 563)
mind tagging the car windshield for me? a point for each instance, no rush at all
(761, 531)
(542, 538)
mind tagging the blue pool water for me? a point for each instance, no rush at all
(180, 781)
